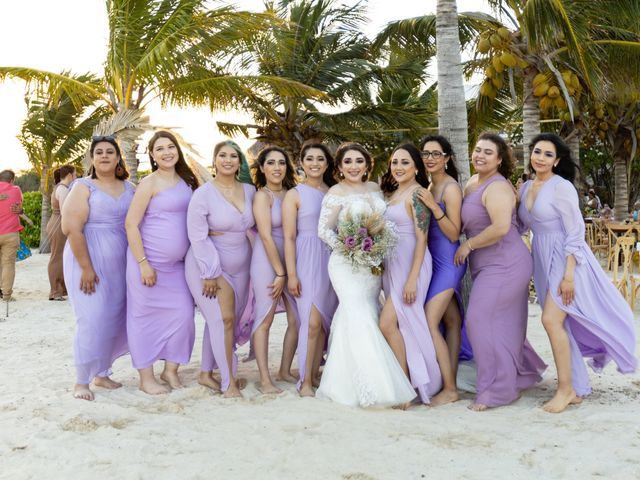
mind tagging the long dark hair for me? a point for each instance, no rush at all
(344, 148)
(259, 178)
(507, 165)
(182, 169)
(388, 184)
(121, 172)
(450, 165)
(566, 167)
(328, 176)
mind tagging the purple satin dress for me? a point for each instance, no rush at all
(312, 260)
(424, 371)
(160, 323)
(101, 317)
(446, 274)
(262, 273)
(227, 254)
(497, 312)
(599, 322)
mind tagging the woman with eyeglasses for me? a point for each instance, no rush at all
(217, 265)
(160, 313)
(443, 304)
(95, 264)
(583, 313)
(501, 267)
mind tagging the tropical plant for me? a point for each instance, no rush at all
(32, 206)
(56, 131)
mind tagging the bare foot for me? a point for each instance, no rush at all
(402, 406)
(241, 382)
(106, 382)
(444, 397)
(286, 377)
(316, 382)
(154, 388)
(206, 379)
(477, 407)
(561, 400)
(576, 401)
(232, 392)
(268, 387)
(172, 379)
(307, 391)
(82, 392)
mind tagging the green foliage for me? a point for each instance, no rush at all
(32, 205)
(28, 181)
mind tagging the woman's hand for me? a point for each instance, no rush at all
(88, 280)
(148, 274)
(461, 254)
(294, 286)
(277, 286)
(210, 287)
(409, 291)
(426, 197)
(567, 291)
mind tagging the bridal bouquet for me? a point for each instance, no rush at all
(366, 239)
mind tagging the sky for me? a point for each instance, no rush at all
(72, 35)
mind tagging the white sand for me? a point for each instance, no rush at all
(192, 434)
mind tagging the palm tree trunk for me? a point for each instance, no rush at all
(452, 107)
(130, 154)
(530, 115)
(45, 190)
(621, 186)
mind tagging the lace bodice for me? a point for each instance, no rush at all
(335, 207)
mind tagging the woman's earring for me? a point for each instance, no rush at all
(365, 177)
(119, 170)
(341, 175)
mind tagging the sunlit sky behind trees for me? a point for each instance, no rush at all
(72, 35)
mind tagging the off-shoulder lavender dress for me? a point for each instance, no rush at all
(262, 273)
(101, 317)
(497, 312)
(228, 253)
(312, 260)
(424, 371)
(160, 321)
(599, 322)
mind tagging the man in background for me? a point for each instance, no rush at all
(10, 226)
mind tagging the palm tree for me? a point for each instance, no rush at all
(174, 50)
(56, 131)
(366, 92)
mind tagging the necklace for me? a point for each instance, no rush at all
(226, 191)
(274, 191)
(399, 193)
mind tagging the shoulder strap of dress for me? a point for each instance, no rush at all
(86, 181)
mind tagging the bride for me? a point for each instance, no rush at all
(361, 369)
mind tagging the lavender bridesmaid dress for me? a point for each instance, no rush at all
(599, 322)
(446, 274)
(262, 273)
(101, 317)
(312, 260)
(228, 254)
(497, 312)
(160, 318)
(424, 371)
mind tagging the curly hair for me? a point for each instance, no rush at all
(566, 167)
(388, 184)
(329, 175)
(259, 179)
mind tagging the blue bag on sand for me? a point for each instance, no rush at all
(23, 251)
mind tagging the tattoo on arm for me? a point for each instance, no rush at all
(423, 214)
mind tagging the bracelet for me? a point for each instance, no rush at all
(142, 259)
(443, 215)
(469, 245)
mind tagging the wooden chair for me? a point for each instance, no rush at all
(625, 283)
(613, 238)
(599, 238)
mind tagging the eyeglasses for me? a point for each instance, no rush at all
(103, 138)
(435, 154)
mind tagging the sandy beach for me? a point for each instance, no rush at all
(193, 434)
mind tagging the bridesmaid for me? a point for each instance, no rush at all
(159, 305)
(63, 177)
(582, 311)
(274, 176)
(444, 300)
(217, 266)
(407, 275)
(306, 259)
(501, 267)
(95, 263)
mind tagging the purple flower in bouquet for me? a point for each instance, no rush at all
(367, 244)
(363, 232)
(350, 242)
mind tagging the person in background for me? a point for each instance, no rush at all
(10, 227)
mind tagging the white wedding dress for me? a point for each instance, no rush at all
(361, 369)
